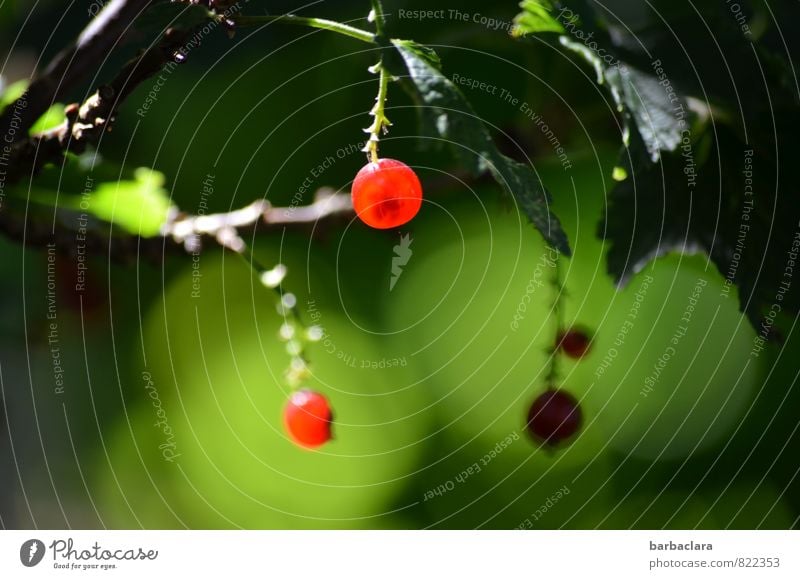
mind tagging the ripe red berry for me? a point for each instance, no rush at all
(574, 343)
(554, 417)
(386, 194)
(308, 419)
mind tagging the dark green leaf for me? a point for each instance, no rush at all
(456, 122)
(648, 103)
(731, 207)
(660, 115)
(681, 185)
(649, 213)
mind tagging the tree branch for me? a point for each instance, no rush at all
(224, 227)
(70, 67)
(181, 234)
(86, 123)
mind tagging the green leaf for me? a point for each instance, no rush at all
(12, 92)
(649, 213)
(456, 122)
(139, 205)
(660, 120)
(648, 103)
(49, 120)
(681, 182)
(536, 17)
(730, 206)
(619, 174)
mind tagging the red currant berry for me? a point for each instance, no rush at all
(386, 194)
(307, 418)
(554, 417)
(574, 343)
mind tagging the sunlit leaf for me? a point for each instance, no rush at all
(138, 206)
(12, 92)
(536, 17)
(52, 118)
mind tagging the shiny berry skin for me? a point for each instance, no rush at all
(554, 417)
(386, 194)
(308, 419)
(575, 343)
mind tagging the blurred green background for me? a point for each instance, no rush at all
(427, 380)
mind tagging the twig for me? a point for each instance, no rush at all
(557, 286)
(378, 16)
(320, 23)
(180, 235)
(86, 123)
(224, 227)
(70, 67)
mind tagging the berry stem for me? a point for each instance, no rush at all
(378, 16)
(558, 315)
(379, 121)
(320, 23)
(293, 331)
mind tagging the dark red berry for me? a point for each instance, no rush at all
(574, 343)
(386, 194)
(308, 419)
(554, 417)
